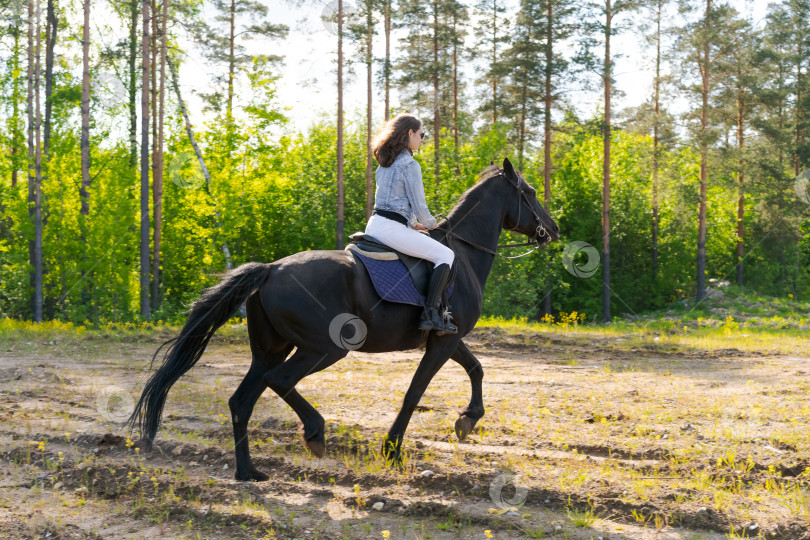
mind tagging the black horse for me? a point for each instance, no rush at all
(295, 303)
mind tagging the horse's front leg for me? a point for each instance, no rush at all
(475, 410)
(437, 352)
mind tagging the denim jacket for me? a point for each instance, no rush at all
(400, 189)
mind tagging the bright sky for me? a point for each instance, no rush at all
(308, 84)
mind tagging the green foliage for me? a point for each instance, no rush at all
(273, 189)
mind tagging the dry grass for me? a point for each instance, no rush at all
(627, 431)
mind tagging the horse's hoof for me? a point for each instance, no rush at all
(253, 475)
(318, 448)
(391, 454)
(313, 438)
(464, 427)
(145, 444)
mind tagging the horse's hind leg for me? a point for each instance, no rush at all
(282, 379)
(268, 350)
(475, 410)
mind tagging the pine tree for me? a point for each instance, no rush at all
(339, 150)
(157, 174)
(493, 35)
(386, 71)
(144, 222)
(16, 124)
(51, 28)
(427, 65)
(457, 19)
(605, 25)
(222, 46)
(525, 63)
(84, 190)
(360, 25)
(789, 37)
(701, 44)
(739, 74)
(560, 25)
(775, 94)
(38, 266)
(658, 9)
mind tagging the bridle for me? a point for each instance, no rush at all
(541, 233)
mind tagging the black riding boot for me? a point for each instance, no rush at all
(432, 318)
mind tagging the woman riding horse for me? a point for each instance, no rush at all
(400, 211)
(294, 303)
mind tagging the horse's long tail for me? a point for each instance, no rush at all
(213, 309)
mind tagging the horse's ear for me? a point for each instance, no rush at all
(491, 163)
(509, 169)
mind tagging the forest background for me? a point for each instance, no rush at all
(123, 194)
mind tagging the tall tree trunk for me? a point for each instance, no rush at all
(656, 126)
(146, 68)
(523, 118)
(547, 135)
(436, 113)
(84, 190)
(231, 59)
(32, 177)
(157, 180)
(38, 179)
(798, 108)
(153, 106)
(704, 156)
(84, 194)
(133, 82)
(780, 112)
(455, 93)
(740, 185)
(226, 252)
(369, 163)
(387, 64)
(494, 62)
(606, 171)
(339, 232)
(50, 43)
(15, 99)
(153, 94)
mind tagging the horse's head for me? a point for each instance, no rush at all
(524, 213)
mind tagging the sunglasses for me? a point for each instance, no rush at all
(422, 135)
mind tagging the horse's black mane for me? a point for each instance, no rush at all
(489, 172)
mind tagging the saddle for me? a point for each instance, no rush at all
(389, 270)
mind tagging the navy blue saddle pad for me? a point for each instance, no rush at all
(403, 280)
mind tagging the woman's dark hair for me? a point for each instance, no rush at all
(393, 138)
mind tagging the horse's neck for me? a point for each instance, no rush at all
(479, 221)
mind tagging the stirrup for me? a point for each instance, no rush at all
(448, 324)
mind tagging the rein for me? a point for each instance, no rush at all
(536, 243)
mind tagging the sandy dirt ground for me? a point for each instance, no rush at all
(585, 436)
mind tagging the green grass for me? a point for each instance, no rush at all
(19, 330)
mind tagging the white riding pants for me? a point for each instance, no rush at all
(408, 241)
